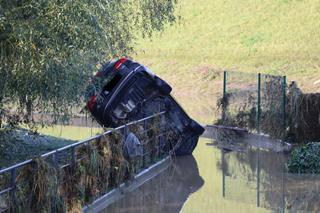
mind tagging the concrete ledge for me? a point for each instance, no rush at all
(237, 136)
(211, 130)
(118, 193)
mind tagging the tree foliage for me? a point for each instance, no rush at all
(49, 48)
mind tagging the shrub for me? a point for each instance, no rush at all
(305, 159)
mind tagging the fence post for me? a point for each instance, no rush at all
(125, 132)
(259, 103)
(284, 100)
(258, 130)
(223, 115)
(53, 198)
(160, 136)
(13, 185)
(73, 156)
(145, 126)
(224, 83)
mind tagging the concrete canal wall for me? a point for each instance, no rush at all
(118, 193)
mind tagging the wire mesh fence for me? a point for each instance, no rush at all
(256, 102)
(75, 175)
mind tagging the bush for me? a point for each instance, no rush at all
(305, 159)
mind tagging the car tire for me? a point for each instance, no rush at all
(164, 88)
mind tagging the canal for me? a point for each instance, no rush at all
(250, 180)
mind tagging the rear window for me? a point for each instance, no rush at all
(112, 83)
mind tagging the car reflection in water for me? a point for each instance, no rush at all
(167, 192)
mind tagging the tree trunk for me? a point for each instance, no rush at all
(29, 111)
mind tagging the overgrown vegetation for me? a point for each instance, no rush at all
(66, 184)
(241, 106)
(303, 115)
(305, 159)
(285, 112)
(36, 187)
(236, 114)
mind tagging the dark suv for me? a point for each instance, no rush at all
(125, 90)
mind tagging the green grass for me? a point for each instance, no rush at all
(17, 146)
(70, 132)
(276, 36)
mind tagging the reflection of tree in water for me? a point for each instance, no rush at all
(167, 192)
(265, 170)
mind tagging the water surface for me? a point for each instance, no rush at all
(253, 180)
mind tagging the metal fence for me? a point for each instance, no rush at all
(256, 102)
(156, 142)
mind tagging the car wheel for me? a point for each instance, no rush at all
(164, 88)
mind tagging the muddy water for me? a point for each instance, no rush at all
(211, 180)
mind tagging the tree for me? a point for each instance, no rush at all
(50, 48)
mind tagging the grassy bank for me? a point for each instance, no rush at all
(278, 37)
(70, 132)
(19, 144)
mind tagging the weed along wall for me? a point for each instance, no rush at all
(74, 176)
(267, 104)
(304, 114)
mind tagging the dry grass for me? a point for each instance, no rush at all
(97, 167)
(37, 186)
(304, 111)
